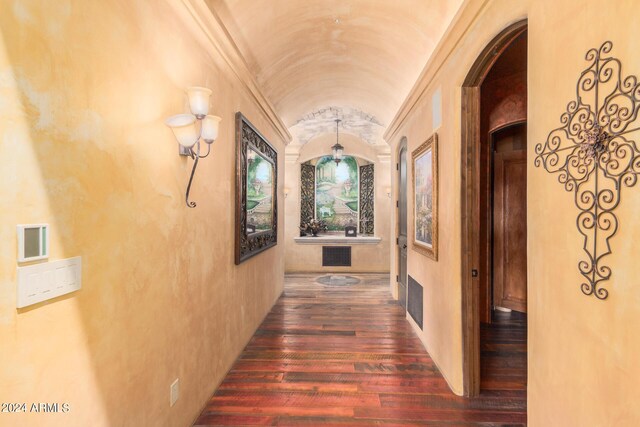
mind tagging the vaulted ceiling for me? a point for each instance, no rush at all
(316, 60)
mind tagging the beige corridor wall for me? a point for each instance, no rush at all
(84, 89)
(583, 366)
(364, 258)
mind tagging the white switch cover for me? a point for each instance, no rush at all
(44, 281)
(174, 392)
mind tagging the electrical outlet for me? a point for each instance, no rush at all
(174, 392)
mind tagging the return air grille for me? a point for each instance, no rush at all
(336, 256)
(414, 301)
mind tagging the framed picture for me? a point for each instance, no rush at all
(425, 197)
(256, 191)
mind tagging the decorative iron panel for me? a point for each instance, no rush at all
(595, 153)
(307, 192)
(414, 301)
(367, 196)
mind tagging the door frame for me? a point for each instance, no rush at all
(403, 144)
(470, 203)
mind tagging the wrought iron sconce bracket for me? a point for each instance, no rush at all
(195, 156)
(595, 154)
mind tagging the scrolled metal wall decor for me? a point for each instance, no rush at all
(595, 154)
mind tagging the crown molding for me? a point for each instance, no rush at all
(290, 157)
(383, 153)
(218, 36)
(384, 157)
(459, 27)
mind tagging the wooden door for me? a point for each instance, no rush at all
(510, 224)
(402, 227)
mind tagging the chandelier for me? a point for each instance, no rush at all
(337, 149)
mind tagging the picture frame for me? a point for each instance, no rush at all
(425, 197)
(256, 222)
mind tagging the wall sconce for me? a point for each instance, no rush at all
(286, 191)
(189, 129)
(387, 191)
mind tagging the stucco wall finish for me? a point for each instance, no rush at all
(583, 367)
(84, 89)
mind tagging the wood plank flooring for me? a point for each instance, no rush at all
(330, 355)
(503, 352)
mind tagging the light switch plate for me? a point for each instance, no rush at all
(41, 282)
(174, 392)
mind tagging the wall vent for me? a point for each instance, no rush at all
(414, 301)
(336, 256)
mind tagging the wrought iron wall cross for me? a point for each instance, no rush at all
(595, 154)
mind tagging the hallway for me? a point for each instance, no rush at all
(344, 354)
(303, 212)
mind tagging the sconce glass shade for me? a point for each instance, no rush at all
(199, 100)
(184, 129)
(210, 126)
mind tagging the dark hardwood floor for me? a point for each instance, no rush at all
(338, 355)
(503, 352)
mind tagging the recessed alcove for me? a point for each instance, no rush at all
(354, 194)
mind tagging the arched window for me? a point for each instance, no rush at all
(337, 192)
(341, 194)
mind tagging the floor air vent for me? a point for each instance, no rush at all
(414, 301)
(336, 256)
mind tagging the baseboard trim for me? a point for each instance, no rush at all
(417, 330)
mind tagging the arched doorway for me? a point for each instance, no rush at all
(491, 130)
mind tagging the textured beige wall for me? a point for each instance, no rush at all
(84, 89)
(364, 258)
(583, 367)
(440, 279)
(583, 357)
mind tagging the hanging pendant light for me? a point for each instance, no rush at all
(337, 149)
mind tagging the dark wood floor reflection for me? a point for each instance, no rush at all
(345, 355)
(503, 352)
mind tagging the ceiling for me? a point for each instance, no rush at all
(316, 60)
